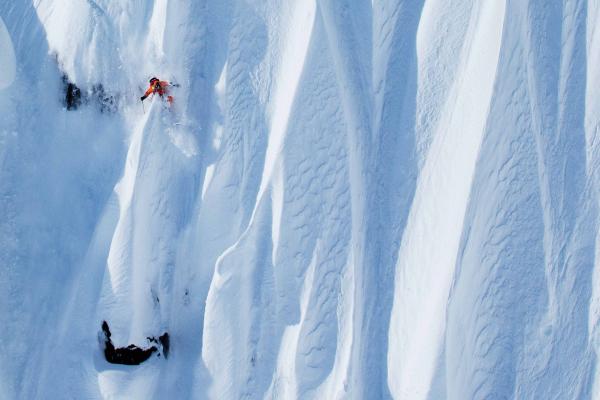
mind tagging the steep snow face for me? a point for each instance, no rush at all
(7, 58)
(347, 199)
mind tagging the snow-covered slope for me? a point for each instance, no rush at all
(348, 199)
(7, 58)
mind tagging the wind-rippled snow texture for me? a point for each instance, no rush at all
(350, 199)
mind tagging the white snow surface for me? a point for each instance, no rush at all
(8, 63)
(349, 199)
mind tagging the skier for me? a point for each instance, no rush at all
(159, 87)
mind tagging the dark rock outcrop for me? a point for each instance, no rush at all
(132, 354)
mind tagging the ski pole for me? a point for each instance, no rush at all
(143, 110)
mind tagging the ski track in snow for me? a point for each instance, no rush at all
(393, 199)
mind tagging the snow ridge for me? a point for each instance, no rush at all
(393, 199)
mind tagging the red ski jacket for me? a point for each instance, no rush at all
(159, 88)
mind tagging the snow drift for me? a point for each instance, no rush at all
(348, 199)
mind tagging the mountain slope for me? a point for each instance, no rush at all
(393, 199)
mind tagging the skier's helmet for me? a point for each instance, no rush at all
(153, 80)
